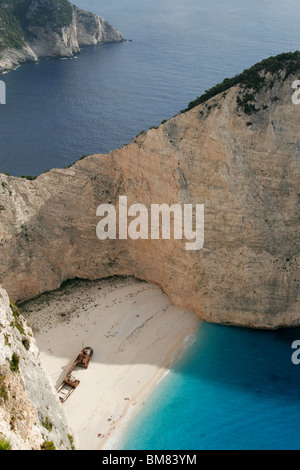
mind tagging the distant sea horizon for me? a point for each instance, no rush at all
(58, 110)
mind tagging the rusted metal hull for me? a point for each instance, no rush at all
(67, 388)
(70, 383)
(84, 358)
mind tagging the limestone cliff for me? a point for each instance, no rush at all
(31, 417)
(237, 152)
(33, 29)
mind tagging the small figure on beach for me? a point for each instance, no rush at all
(100, 435)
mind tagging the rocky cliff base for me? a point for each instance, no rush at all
(31, 416)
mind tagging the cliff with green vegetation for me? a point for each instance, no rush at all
(31, 416)
(241, 163)
(32, 29)
(254, 80)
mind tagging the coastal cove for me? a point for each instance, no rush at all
(192, 348)
(136, 334)
(159, 378)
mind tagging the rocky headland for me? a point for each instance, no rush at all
(34, 29)
(235, 150)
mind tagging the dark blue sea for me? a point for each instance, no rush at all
(235, 388)
(59, 110)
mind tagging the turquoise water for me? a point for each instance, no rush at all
(234, 389)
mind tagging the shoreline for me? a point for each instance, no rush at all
(74, 55)
(112, 442)
(137, 335)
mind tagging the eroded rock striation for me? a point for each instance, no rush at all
(31, 416)
(236, 151)
(33, 29)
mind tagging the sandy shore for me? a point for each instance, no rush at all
(135, 333)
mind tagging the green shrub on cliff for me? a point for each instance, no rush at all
(56, 13)
(4, 444)
(47, 424)
(253, 79)
(48, 445)
(3, 391)
(29, 177)
(14, 363)
(11, 33)
(17, 20)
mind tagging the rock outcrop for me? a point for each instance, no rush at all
(237, 153)
(31, 416)
(33, 29)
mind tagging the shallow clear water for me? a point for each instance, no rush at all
(234, 389)
(58, 110)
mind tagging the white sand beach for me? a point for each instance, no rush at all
(136, 334)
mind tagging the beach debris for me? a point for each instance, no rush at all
(67, 387)
(84, 357)
(70, 383)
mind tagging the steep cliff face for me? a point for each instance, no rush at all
(237, 153)
(31, 417)
(33, 29)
